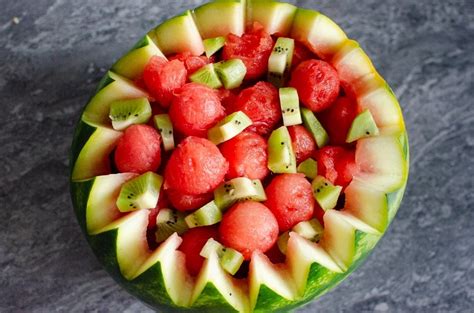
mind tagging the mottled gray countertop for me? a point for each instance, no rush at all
(52, 54)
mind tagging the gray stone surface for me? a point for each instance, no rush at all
(51, 60)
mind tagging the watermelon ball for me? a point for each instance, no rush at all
(337, 164)
(253, 48)
(247, 156)
(138, 150)
(186, 202)
(162, 78)
(193, 241)
(191, 62)
(302, 141)
(291, 200)
(261, 104)
(317, 84)
(337, 119)
(195, 167)
(195, 109)
(247, 227)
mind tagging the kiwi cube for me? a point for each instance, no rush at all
(208, 214)
(311, 230)
(124, 113)
(229, 127)
(231, 72)
(281, 157)
(139, 193)
(165, 127)
(325, 193)
(206, 75)
(279, 62)
(282, 242)
(168, 222)
(309, 168)
(212, 45)
(290, 106)
(312, 124)
(362, 126)
(238, 189)
(212, 246)
(231, 260)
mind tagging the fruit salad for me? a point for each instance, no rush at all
(242, 156)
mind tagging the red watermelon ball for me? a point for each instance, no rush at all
(317, 83)
(138, 150)
(195, 167)
(291, 200)
(247, 156)
(195, 109)
(247, 227)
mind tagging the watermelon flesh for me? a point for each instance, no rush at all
(173, 276)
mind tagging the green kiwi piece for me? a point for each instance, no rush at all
(290, 106)
(279, 63)
(208, 214)
(281, 157)
(206, 75)
(124, 113)
(169, 222)
(311, 230)
(229, 127)
(212, 245)
(312, 124)
(212, 45)
(238, 189)
(325, 193)
(282, 241)
(229, 259)
(231, 72)
(362, 126)
(139, 193)
(165, 127)
(309, 168)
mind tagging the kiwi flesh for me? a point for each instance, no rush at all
(212, 45)
(311, 230)
(282, 241)
(362, 126)
(124, 113)
(209, 214)
(231, 72)
(139, 193)
(312, 124)
(229, 259)
(165, 127)
(168, 222)
(325, 193)
(206, 75)
(238, 189)
(309, 168)
(281, 157)
(290, 106)
(279, 62)
(229, 127)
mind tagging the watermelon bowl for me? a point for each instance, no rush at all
(243, 156)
